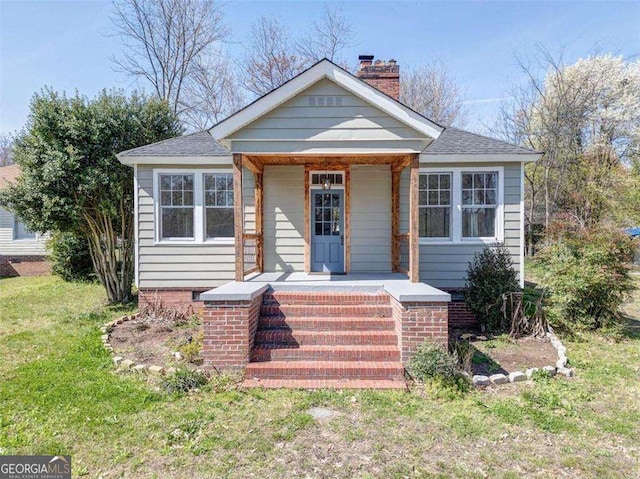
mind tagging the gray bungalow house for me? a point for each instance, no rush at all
(321, 229)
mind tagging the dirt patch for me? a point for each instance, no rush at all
(153, 342)
(505, 355)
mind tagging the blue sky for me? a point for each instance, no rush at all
(66, 45)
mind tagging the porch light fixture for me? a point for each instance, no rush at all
(326, 184)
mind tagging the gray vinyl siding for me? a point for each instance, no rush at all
(165, 265)
(370, 218)
(445, 266)
(349, 122)
(10, 246)
(283, 218)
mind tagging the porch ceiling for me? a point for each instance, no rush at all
(256, 163)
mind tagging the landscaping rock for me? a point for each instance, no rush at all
(105, 337)
(468, 336)
(157, 370)
(499, 379)
(171, 370)
(104, 329)
(566, 372)
(562, 350)
(531, 371)
(117, 360)
(479, 380)
(550, 370)
(517, 377)
(177, 355)
(140, 368)
(561, 362)
(127, 364)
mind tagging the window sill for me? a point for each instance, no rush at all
(209, 242)
(470, 241)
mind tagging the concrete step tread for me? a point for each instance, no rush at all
(324, 384)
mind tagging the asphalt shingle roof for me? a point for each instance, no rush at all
(8, 174)
(200, 143)
(454, 141)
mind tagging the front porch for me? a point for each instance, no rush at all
(395, 245)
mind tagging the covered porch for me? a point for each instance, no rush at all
(253, 242)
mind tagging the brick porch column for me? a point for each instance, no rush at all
(229, 332)
(417, 321)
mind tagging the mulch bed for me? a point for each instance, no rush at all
(153, 341)
(504, 355)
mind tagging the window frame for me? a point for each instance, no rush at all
(199, 212)
(17, 220)
(450, 206)
(456, 206)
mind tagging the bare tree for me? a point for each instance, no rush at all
(269, 58)
(212, 94)
(6, 149)
(163, 40)
(328, 36)
(431, 90)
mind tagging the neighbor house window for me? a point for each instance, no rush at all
(176, 206)
(218, 203)
(21, 232)
(479, 204)
(435, 205)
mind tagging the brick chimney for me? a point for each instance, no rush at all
(385, 76)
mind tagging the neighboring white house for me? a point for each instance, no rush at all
(22, 252)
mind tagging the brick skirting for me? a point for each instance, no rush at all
(12, 266)
(171, 298)
(417, 322)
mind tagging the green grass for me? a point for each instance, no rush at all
(59, 394)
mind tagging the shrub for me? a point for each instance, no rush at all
(489, 276)
(432, 361)
(70, 258)
(192, 348)
(586, 276)
(183, 381)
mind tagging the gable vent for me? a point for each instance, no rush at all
(317, 100)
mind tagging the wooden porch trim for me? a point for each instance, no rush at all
(238, 216)
(307, 220)
(414, 252)
(395, 219)
(347, 219)
(259, 219)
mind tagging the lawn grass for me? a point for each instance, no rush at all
(60, 395)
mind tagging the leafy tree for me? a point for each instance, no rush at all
(71, 180)
(70, 257)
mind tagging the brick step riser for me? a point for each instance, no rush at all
(292, 338)
(329, 311)
(323, 299)
(313, 373)
(289, 354)
(301, 324)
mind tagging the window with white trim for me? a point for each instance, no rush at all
(479, 204)
(21, 232)
(177, 206)
(460, 205)
(435, 205)
(218, 203)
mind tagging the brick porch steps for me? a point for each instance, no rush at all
(309, 323)
(326, 370)
(327, 310)
(324, 384)
(279, 352)
(319, 298)
(303, 338)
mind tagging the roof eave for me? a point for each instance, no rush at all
(480, 157)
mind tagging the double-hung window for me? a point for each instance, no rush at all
(194, 206)
(461, 204)
(435, 205)
(218, 203)
(479, 204)
(177, 206)
(21, 232)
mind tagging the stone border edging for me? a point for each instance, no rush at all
(519, 376)
(123, 364)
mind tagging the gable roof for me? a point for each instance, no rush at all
(195, 144)
(8, 174)
(324, 69)
(453, 141)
